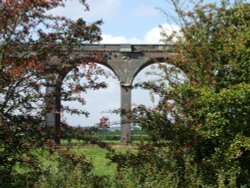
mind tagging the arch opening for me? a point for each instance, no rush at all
(151, 63)
(163, 75)
(99, 91)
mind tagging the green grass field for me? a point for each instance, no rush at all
(49, 164)
(97, 156)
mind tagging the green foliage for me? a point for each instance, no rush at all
(150, 167)
(55, 168)
(215, 49)
(199, 134)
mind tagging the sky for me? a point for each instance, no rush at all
(124, 21)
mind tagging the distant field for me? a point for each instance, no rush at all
(109, 136)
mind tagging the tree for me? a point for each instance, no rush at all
(200, 130)
(32, 42)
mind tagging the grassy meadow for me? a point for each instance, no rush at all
(55, 172)
(97, 156)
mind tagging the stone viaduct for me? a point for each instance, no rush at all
(125, 60)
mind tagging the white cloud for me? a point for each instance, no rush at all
(109, 39)
(153, 36)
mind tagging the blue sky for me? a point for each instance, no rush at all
(134, 20)
(125, 21)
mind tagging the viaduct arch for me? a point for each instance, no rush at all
(125, 60)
